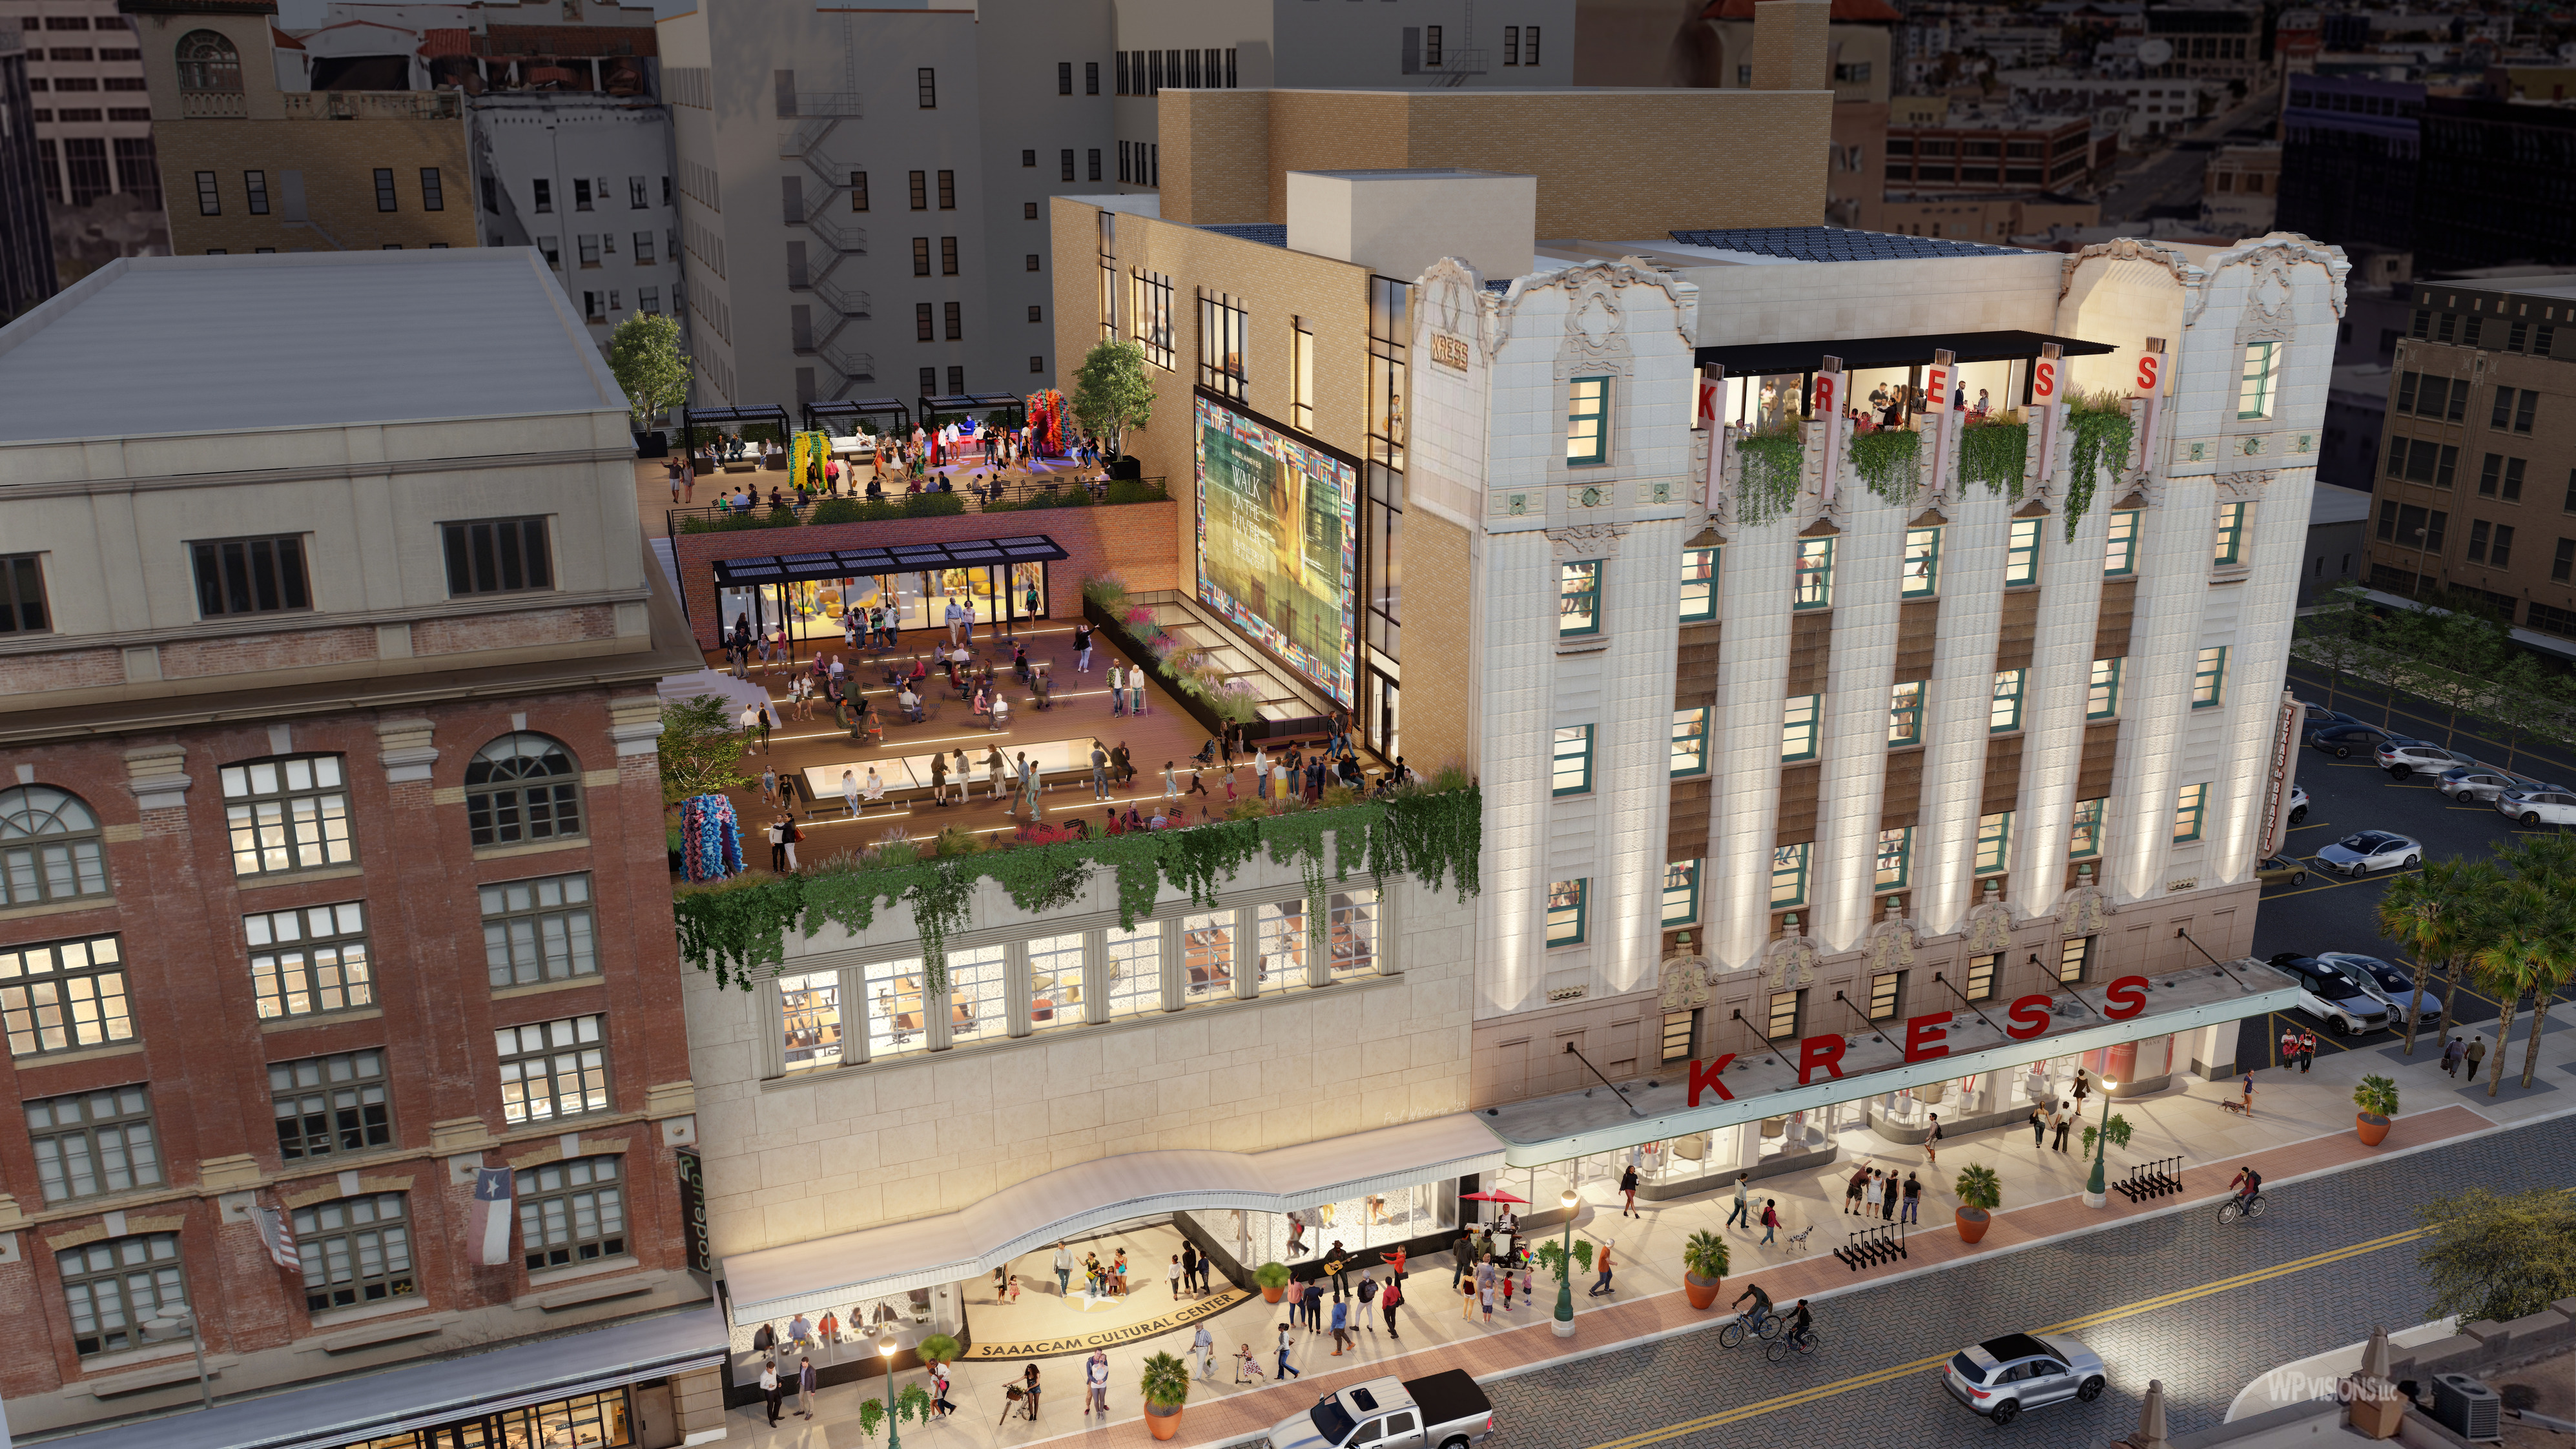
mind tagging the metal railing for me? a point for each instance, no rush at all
(213, 105)
(372, 105)
(1014, 494)
(833, 286)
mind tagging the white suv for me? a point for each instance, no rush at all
(2539, 805)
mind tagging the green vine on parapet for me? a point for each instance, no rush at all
(1890, 461)
(1994, 454)
(1773, 464)
(2098, 429)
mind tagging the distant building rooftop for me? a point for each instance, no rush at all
(1844, 10)
(1836, 244)
(193, 344)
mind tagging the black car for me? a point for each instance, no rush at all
(2346, 740)
(2319, 717)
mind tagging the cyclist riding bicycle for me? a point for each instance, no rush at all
(1761, 1310)
(2247, 1186)
(1798, 1327)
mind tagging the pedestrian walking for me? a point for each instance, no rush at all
(1117, 690)
(2083, 1087)
(1932, 1141)
(1387, 1303)
(2451, 1058)
(1341, 1325)
(1082, 648)
(2057, 1118)
(776, 833)
(1743, 1212)
(1368, 1296)
(1628, 1191)
(1770, 1220)
(1852, 1189)
(1913, 1197)
(2038, 1127)
(1099, 770)
(770, 1389)
(1888, 1196)
(805, 1386)
(2246, 1103)
(1601, 1262)
(1203, 1348)
(769, 785)
(2307, 1051)
(1467, 1298)
(2476, 1053)
(1172, 1277)
(1295, 1298)
(1286, 1370)
(1095, 1378)
(1464, 1254)
(2289, 1048)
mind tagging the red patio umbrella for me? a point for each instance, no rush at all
(1496, 1196)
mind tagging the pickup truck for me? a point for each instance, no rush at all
(1441, 1411)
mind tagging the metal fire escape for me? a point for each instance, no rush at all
(819, 130)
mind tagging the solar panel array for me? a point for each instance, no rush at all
(1836, 244)
(1267, 233)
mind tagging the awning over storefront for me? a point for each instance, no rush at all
(505, 1375)
(775, 1283)
(770, 413)
(910, 558)
(1860, 353)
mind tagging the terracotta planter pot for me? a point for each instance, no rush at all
(1973, 1223)
(1700, 1291)
(1162, 1422)
(1271, 1295)
(2372, 1128)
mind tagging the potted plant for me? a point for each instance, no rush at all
(1703, 1264)
(1167, 1388)
(1272, 1279)
(938, 1349)
(1980, 1192)
(2377, 1098)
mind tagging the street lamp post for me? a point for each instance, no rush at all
(1563, 1327)
(2097, 1191)
(176, 1316)
(885, 1350)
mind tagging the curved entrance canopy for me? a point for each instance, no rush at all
(773, 1284)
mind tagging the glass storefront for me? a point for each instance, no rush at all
(591, 1421)
(1374, 1221)
(814, 607)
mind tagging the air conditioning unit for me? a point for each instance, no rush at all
(2468, 1408)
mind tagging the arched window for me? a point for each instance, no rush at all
(208, 62)
(522, 788)
(51, 848)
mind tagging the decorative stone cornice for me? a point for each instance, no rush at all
(155, 774)
(1684, 979)
(1586, 540)
(404, 750)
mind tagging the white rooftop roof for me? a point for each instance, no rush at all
(2334, 503)
(162, 345)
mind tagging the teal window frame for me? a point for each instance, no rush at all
(1681, 892)
(1813, 583)
(2021, 553)
(2191, 803)
(1587, 421)
(1803, 735)
(1572, 774)
(2209, 678)
(2102, 697)
(2005, 716)
(1896, 844)
(1781, 1017)
(1886, 991)
(2229, 546)
(2084, 832)
(1699, 585)
(2254, 386)
(1567, 911)
(2120, 545)
(1922, 571)
(1994, 843)
(1578, 596)
(1905, 714)
(1789, 869)
(1690, 742)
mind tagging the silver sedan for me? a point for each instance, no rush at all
(2364, 851)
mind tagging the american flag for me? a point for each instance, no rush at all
(490, 1228)
(277, 1231)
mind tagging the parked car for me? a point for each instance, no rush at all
(2298, 803)
(2003, 1376)
(2282, 870)
(2318, 716)
(2539, 805)
(2483, 783)
(2363, 851)
(2332, 997)
(2402, 758)
(1445, 1410)
(2341, 740)
(2391, 984)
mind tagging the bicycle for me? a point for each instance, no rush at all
(1733, 1334)
(1781, 1347)
(2240, 1207)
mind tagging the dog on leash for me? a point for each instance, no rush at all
(1798, 1239)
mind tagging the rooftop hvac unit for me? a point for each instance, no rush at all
(2468, 1408)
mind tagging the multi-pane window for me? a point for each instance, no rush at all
(63, 996)
(497, 555)
(1135, 964)
(1886, 989)
(111, 1288)
(2120, 547)
(1905, 713)
(920, 187)
(976, 1005)
(1280, 933)
(1789, 876)
(256, 184)
(948, 262)
(947, 191)
(571, 1212)
(1681, 892)
(1699, 584)
(1815, 577)
(1565, 912)
(1578, 597)
(921, 266)
(2021, 553)
(250, 575)
(1207, 953)
(2209, 678)
(1587, 421)
(1055, 981)
(1781, 1022)
(2490, 543)
(2084, 835)
(1390, 374)
(1153, 319)
(22, 595)
(385, 200)
(538, 930)
(1677, 1024)
(90, 1143)
(552, 1069)
(1223, 321)
(1351, 917)
(1994, 842)
(1922, 570)
(2074, 959)
(522, 787)
(926, 86)
(51, 847)
(1798, 727)
(1301, 375)
(1690, 742)
(809, 1008)
(1895, 857)
(2513, 409)
(2420, 460)
(210, 197)
(2229, 547)
(2502, 478)
(1573, 774)
(2562, 565)
(2255, 384)
(1981, 976)
(333, 1104)
(2102, 697)
(2006, 714)
(2189, 803)
(287, 813)
(312, 959)
(355, 1250)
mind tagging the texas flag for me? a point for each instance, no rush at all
(490, 1228)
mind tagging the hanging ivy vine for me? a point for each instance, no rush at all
(1890, 461)
(1994, 454)
(2099, 429)
(734, 928)
(1773, 464)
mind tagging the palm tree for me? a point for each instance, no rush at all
(2525, 954)
(2436, 918)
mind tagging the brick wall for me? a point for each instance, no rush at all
(72, 669)
(514, 631)
(338, 159)
(255, 653)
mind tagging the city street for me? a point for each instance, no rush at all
(2172, 176)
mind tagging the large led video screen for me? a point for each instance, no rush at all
(1276, 543)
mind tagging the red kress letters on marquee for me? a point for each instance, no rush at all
(1925, 1036)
